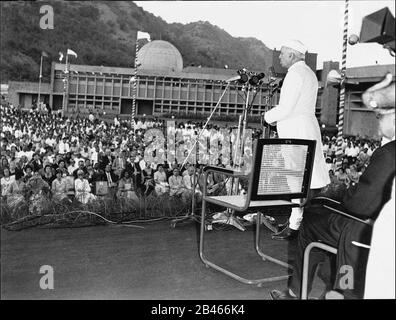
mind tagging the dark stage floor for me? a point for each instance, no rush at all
(158, 262)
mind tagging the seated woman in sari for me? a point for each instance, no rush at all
(16, 192)
(38, 192)
(148, 183)
(83, 189)
(59, 187)
(126, 188)
(161, 181)
(6, 181)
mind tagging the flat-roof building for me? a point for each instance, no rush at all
(164, 88)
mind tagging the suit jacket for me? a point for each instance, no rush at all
(113, 176)
(374, 188)
(365, 199)
(104, 160)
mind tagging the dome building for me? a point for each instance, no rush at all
(160, 56)
(160, 87)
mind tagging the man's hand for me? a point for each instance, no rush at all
(272, 124)
(381, 95)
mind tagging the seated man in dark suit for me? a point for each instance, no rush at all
(81, 166)
(350, 237)
(110, 177)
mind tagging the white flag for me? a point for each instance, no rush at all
(60, 56)
(143, 35)
(71, 52)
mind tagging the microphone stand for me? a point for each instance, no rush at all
(190, 217)
(228, 216)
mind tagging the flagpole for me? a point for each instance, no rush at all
(135, 84)
(40, 76)
(66, 85)
(339, 151)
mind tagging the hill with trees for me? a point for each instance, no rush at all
(104, 33)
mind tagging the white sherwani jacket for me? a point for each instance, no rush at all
(295, 115)
(380, 272)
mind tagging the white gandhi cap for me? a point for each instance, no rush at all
(296, 45)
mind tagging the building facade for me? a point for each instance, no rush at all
(358, 120)
(165, 89)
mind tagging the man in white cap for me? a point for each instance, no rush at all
(295, 118)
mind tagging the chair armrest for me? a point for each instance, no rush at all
(336, 207)
(227, 172)
(325, 200)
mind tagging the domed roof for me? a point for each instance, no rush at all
(160, 55)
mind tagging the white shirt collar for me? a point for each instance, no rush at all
(386, 140)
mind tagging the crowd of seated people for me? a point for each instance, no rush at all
(83, 158)
(356, 154)
(86, 158)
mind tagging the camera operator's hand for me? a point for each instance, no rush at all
(381, 95)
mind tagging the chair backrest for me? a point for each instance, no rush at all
(282, 169)
(69, 184)
(101, 188)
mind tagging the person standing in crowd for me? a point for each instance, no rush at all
(94, 154)
(295, 118)
(119, 163)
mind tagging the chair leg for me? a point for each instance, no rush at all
(263, 255)
(225, 271)
(307, 251)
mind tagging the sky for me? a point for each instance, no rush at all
(318, 24)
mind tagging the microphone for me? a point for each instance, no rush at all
(241, 78)
(234, 78)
